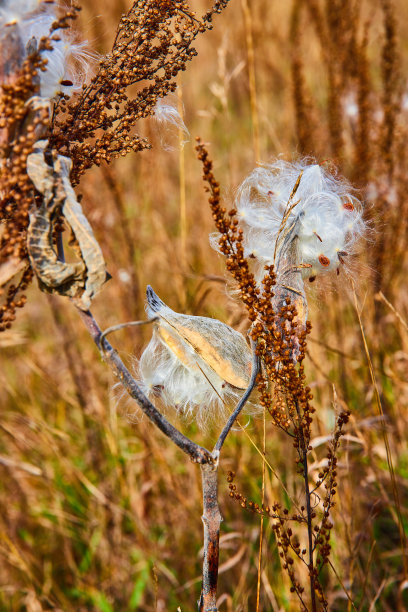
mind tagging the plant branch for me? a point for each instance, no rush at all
(308, 510)
(211, 520)
(197, 453)
(114, 328)
(208, 461)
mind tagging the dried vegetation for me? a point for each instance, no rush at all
(93, 509)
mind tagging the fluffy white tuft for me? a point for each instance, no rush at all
(17, 12)
(170, 122)
(195, 393)
(68, 63)
(322, 215)
(196, 365)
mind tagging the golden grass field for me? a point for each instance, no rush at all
(98, 511)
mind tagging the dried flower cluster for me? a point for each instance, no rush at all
(276, 310)
(42, 68)
(153, 44)
(22, 121)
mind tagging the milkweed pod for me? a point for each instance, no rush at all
(194, 339)
(302, 200)
(195, 365)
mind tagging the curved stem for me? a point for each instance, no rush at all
(115, 328)
(242, 401)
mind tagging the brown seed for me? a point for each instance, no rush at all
(325, 261)
(348, 206)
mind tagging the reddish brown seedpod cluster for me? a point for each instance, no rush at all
(284, 394)
(153, 43)
(19, 130)
(273, 332)
(23, 121)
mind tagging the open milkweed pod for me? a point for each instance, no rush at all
(289, 273)
(198, 365)
(289, 287)
(328, 217)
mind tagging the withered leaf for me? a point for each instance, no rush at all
(80, 280)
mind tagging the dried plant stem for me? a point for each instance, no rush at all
(381, 296)
(211, 520)
(309, 531)
(304, 450)
(125, 227)
(252, 80)
(258, 586)
(197, 453)
(182, 181)
(115, 328)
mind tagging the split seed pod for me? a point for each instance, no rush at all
(197, 365)
(318, 207)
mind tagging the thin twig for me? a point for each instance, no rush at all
(242, 401)
(308, 510)
(252, 78)
(261, 532)
(381, 296)
(114, 328)
(342, 585)
(390, 462)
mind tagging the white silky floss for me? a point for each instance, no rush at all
(67, 62)
(166, 112)
(170, 123)
(322, 214)
(13, 12)
(196, 365)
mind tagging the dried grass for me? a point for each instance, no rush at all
(100, 514)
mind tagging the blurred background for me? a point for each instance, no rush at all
(97, 510)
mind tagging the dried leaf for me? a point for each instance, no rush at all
(54, 276)
(90, 249)
(80, 280)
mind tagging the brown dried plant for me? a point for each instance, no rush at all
(22, 123)
(153, 43)
(364, 128)
(280, 339)
(21, 126)
(365, 131)
(370, 147)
